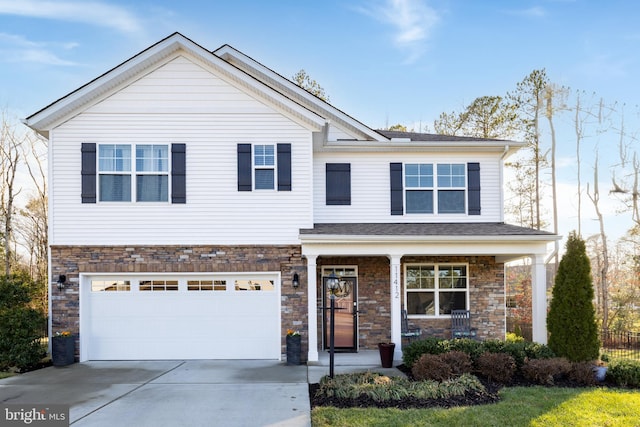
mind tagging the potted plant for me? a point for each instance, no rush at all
(386, 354)
(294, 347)
(63, 348)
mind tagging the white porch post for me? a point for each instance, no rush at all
(395, 289)
(312, 308)
(539, 298)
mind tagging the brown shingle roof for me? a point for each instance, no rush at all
(488, 229)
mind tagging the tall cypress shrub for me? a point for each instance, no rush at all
(572, 317)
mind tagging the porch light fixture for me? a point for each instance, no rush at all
(61, 281)
(296, 280)
(333, 282)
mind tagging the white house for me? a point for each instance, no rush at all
(199, 200)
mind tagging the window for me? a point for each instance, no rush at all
(158, 285)
(114, 166)
(207, 285)
(151, 173)
(451, 177)
(435, 290)
(419, 184)
(264, 167)
(110, 286)
(449, 185)
(254, 285)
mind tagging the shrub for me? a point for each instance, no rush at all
(19, 325)
(533, 350)
(431, 367)
(624, 372)
(546, 371)
(571, 321)
(582, 373)
(498, 367)
(466, 345)
(512, 337)
(459, 362)
(431, 345)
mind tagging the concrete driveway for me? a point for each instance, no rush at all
(170, 393)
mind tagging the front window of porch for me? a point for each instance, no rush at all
(433, 290)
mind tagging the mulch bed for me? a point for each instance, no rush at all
(469, 399)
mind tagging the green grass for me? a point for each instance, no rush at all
(5, 374)
(520, 406)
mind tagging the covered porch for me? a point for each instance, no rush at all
(327, 246)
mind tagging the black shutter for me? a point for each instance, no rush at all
(284, 167)
(338, 183)
(244, 167)
(397, 205)
(88, 171)
(473, 188)
(178, 173)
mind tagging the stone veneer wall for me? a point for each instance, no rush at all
(73, 260)
(486, 297)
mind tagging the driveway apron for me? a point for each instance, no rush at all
(170, 393)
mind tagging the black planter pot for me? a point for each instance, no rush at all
(294, 349)
(386, 353)
(63, 350)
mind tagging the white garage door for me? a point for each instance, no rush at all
(180, 317)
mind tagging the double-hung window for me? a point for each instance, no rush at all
(449, 185)
(435, 290)
(264, 166)
(114, 167)
(117, 181)
(152, 173)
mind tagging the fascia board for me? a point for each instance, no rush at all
(504, 147)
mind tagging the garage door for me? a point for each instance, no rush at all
(180, 317)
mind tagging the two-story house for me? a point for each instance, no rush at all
(199, 201)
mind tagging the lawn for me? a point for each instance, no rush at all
(519, 406)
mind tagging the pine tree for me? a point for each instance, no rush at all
(572, 317)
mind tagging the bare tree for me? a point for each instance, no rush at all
(10, 159)
(603, 267)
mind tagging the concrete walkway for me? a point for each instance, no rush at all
(183, 393)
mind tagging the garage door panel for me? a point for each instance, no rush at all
(181, 325)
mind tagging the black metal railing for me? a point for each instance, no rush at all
(620, 344)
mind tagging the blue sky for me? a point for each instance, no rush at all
(381, 61)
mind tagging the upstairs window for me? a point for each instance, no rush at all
(420, 186)
(115, 174)
(152, 173)
(264, 167)
(114, 167)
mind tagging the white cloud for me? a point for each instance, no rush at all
(412, 21)
(534, 12)
(16, 48)
(93, 13)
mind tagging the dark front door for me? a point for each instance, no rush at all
(345, 314)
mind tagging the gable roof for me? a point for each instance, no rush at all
(79, 99)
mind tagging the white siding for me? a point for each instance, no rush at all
(370, 187)
(182, 103)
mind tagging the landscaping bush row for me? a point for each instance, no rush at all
(380, 388)
(437, 359)
(519, 350)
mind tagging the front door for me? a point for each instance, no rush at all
(346, 305)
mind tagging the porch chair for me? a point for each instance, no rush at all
(461, 325)
(410, 333)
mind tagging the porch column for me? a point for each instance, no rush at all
(395, 289)
(539, 298)
(312, 308)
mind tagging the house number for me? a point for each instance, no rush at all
(396, 287)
